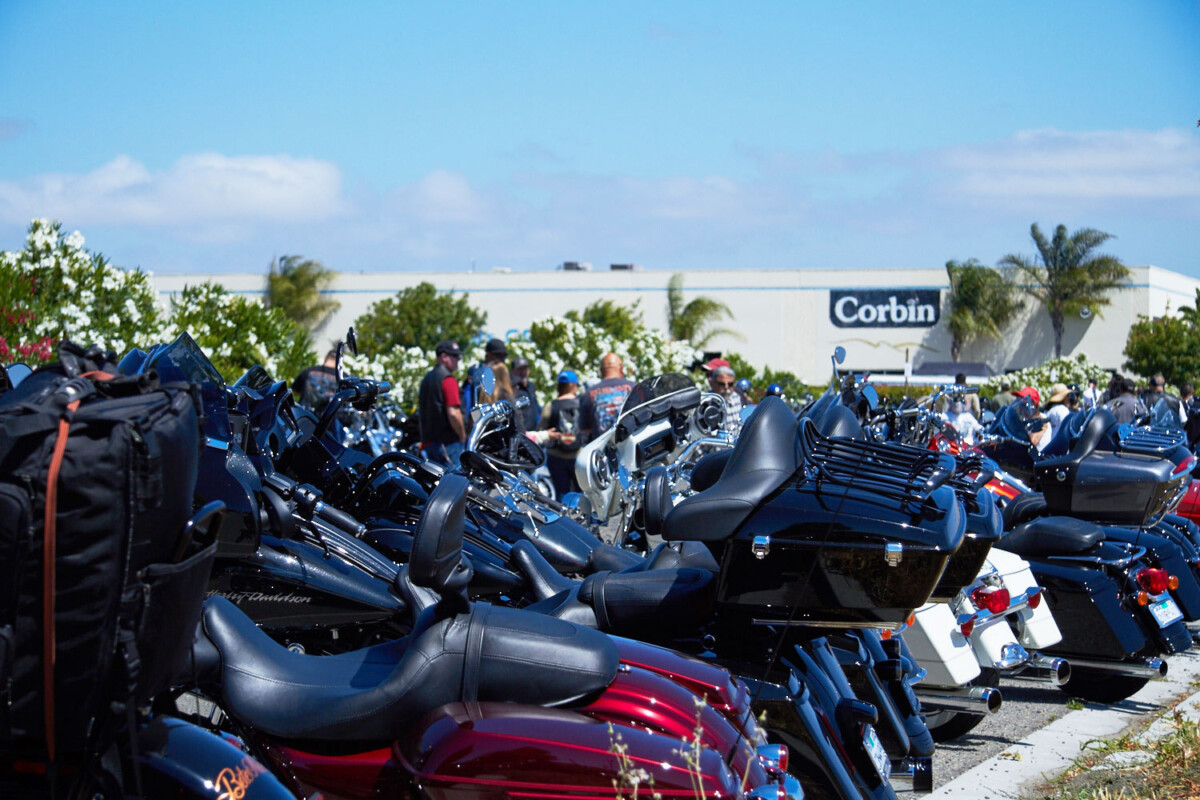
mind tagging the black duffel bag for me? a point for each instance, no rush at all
(101, 581)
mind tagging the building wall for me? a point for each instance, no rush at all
(784, 316)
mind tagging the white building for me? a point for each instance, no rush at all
(789, 319)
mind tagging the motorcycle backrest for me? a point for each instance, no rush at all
(437, 560)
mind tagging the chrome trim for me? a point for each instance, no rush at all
(760, 546)
(980, 700)
(1152, 668)
(1012, 655)
(1043, 669)
(912, 774)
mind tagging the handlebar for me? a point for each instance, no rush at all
(359, 392)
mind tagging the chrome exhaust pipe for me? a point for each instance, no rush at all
(1044, 669)
(1153, 668)
(912, 774)
(981, 700)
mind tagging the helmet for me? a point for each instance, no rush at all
(775, 389)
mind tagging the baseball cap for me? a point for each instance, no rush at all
(448, 347)
(716, 362)
(519, 362)
(495, 347)
(1031, 393)
(568, 376)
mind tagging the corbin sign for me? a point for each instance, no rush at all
(884, 308)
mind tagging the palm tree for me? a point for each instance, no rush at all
(693, 322)
(294, 285)
(982, 302)
(1069, 277)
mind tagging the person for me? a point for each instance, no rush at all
(1125, 405)
(960, 417)
(1062, 401)
(523, 387)
(1033, 400)
(1091, 395)
(1158, 391)
(439, 408)
(562, 414)
(972, 400)
(502, 389)
(317, 384)
(1005, 396)
(602, 402)
(494, 352)
(721, 379)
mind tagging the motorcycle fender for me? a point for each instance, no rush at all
(937, 645)
(988, 642)
(182, 760)
(1037, 627)
(504, 749)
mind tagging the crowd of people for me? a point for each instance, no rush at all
(1123, 397)
(571, 415)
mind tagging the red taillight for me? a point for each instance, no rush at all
(1187, 465)
(967, 627)
(1154, 581)
(1035, 598)
(991, 598)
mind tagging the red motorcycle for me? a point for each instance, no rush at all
(483, 701)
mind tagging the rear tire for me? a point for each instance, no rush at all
(1100, 687)
(947, 726)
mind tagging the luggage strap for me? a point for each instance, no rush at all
(71, 388)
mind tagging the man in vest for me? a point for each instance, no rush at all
(439, 409)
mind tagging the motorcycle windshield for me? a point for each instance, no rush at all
(652, 389)
(1163, 416)
(183, 360)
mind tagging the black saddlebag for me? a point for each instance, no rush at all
(859, 538)
(97, 473)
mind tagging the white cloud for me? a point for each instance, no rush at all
(1093, 166)
(197, 190)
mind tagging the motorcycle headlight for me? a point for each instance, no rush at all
(600, 471)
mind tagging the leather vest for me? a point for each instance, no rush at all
(431, 408)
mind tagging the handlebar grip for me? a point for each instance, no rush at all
(339, 519)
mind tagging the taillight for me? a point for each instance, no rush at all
(1035, 598)
(1187, 465)
(1155, 581)
(967, 627)
(992, 598)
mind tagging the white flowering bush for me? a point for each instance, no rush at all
(1070, 370)
(238, 332)
(55, 289)
(557, 343)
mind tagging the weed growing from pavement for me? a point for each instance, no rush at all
(1168, 768)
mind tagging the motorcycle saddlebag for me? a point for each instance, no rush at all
(125, 583)
(860, 539)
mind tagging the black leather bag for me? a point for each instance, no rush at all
(97, 563)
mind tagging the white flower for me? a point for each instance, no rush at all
(74, 241)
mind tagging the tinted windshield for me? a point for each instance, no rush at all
(182, 360)
(656, 387)
(1165, 416)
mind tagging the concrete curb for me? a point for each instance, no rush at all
(1045, 753)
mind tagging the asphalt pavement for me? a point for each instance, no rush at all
(1035, 737)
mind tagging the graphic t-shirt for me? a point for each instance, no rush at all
(602, 404)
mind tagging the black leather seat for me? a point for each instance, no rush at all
(458, 652)
(708, 469)
(765, 457)
(1052, 536)
(646, 602)
(1023, 508)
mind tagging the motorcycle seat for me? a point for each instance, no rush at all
(1023, 508)
(378, 692)
(708, 469)
(1052, 536)
(623, 603)
(765, 457)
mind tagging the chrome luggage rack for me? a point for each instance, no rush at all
(973, 473)
(1152, 440)
(903, 473)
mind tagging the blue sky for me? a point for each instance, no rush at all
(213, 136)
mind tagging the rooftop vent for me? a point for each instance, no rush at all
(576, 266)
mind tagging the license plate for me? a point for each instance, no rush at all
(1165, 612)
(878, 755)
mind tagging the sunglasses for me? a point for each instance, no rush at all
(724, 384)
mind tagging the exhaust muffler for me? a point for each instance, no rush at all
(1044, 669)
(981, 700)
(1153, 668)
